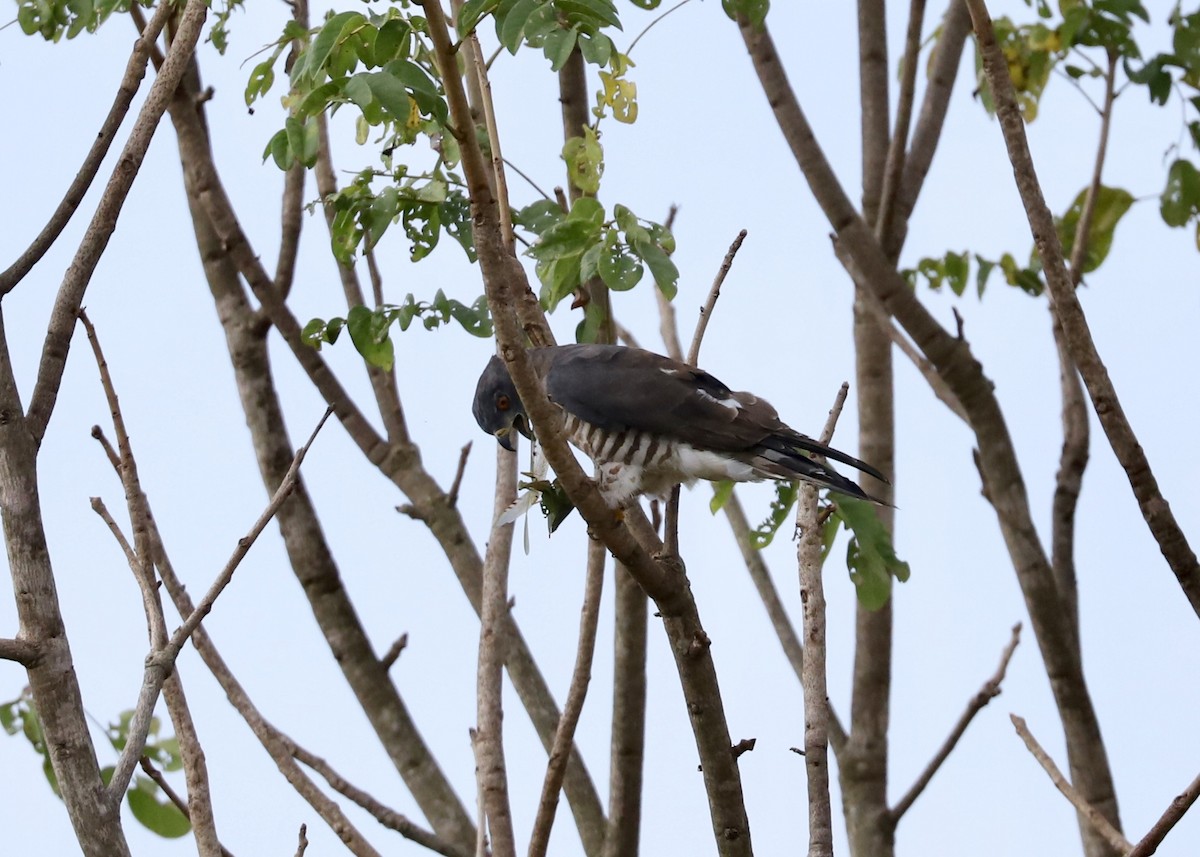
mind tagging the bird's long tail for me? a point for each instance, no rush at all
(787, 456)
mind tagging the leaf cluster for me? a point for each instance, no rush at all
(370, 329)
(953, 269)
(146, 800)
(576, 246)
(53, 19)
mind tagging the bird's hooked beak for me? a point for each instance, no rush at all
(505, 434)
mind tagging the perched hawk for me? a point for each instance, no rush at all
(649, 422)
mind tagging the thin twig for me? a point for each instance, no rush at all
(100, 230)
(894, 167)
(150, 770)
(489, 115)
(813, 676)
(452, 494)
(385, 815)
(160, 663)
(393, 653)
(715, 292)
(303, 844)
(1168, 820)
(989, 691)
(135, 71)
(539, 838)
(246, 542)
(1093, 816)
(277, 745)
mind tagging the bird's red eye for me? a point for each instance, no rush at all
(502, 402)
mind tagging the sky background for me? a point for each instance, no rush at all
(705, 140)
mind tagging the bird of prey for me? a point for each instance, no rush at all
(649, 422)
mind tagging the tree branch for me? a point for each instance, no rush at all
(989, 691)
(21, 651)
(385, 815)
(135, 71)
(517, 314)
(693, 355)
(953, 361)
(1150, 842)
(816, 697)
(589, 619)
(161, 662)
(487, 739)
(104, 221)
(1088, 812)
(1064, 303)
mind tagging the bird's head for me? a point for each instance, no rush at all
(497, 407)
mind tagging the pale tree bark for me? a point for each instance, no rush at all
(950, 357)
(516, 314)
(863, 761)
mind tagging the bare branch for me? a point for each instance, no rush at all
(385, 815)
(894, 168)
(516, 314)
(539, 838)
(135, 71)
(487, 739)
(303, 843)
(628, 744)
(816, 699)
(989, 691)
(1150, 842)
(393, 653)
(161, 662)
(103, 223)
(693, 355)
(1093, 816)
(1067, 310)
(181, 804)
(943, 70)
(277, 745)
(452, 494)
(21, 651)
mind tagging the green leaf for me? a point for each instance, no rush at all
(985, 271)
(585, 161)
(558, 45)
(722, 491)
(160, 816)
(618, 267)
(511, 28)
(781, 506)
(555, 503)
(392, 37)
(471, 13)
(261, 79)
(596, 48)
(754, 10)
(666, 275)
(956, 266)
(1181, 197)
(369, 333)
(602, 12)
(279, 150)
(870, 557)
(1109, 207)
(587, 209)
(390, 94)
(566, 238)
(539, 216)
(327, 39)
